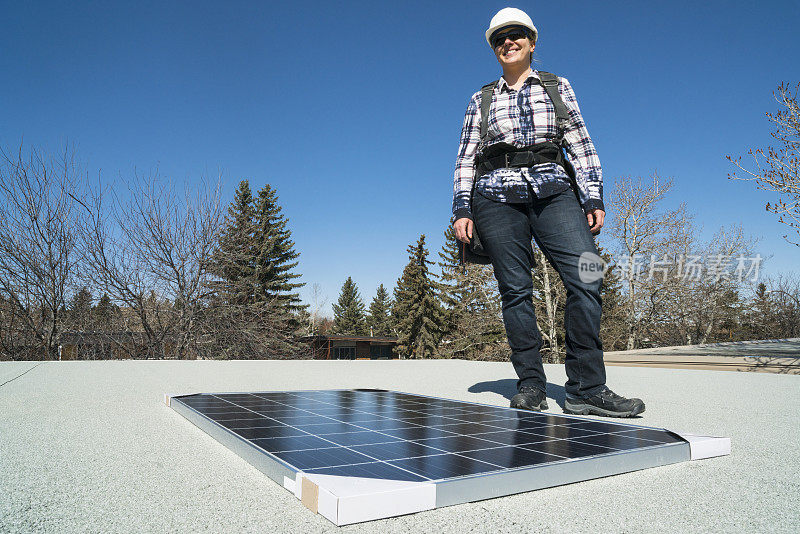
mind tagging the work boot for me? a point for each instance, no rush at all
(604, 402)
(529, 398)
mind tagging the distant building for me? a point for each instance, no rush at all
(122, 345)
(351, 347)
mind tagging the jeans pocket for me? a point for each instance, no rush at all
(477, 201)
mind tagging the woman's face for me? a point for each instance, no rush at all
(512, 52)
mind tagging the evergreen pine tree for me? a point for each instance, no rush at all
(252, 314)
(453, 287)
(760, 319)
(305, 326)
(79, 312)
(105, 312)
(275, 253)
(417, 311)
(472, 309)
(234, 261)
(348, 314)
(379, 319)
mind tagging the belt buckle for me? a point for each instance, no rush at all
(505, 159)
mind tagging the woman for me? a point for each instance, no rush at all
(530, 197)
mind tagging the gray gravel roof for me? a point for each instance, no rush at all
(90, 446)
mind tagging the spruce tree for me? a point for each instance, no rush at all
(234, 261)
(275, 254)
(417, 311)
(760, 319)
(348, 314)
(473, 326)
(104, 313)
(453, 287)
(79, 312)
(252, 312)
(379, 319)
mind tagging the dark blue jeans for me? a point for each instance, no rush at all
(559, 226)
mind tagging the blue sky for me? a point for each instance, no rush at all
(353, 110)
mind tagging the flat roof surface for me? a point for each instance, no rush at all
(88, 446)
(763, 356)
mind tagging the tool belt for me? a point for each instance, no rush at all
(504, 156)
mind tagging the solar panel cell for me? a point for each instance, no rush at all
(616, 441)
(510, 437)
(417, 432)
(568, 448)
(560, 432)
(281, 431)
(396, 450)
(331, 457)
(458, 443)
(370, 470)
(293, 443)
(510, 457)
(365, 437)
(658, 436)
(333, 427)
(444, 466)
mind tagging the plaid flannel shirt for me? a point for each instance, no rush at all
(522, 118)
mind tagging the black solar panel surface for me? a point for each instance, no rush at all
(401, 436)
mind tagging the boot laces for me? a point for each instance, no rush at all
(606, 393)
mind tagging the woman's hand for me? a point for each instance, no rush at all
(595, 219)
(463, 228)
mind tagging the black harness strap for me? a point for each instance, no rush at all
(486, 103)
(550, 83)
(503, 155)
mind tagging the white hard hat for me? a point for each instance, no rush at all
(510, 16)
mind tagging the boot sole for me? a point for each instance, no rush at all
(518, 406)
(588, 409)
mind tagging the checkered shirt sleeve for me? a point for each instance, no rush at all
(465, 170)
(581, 152)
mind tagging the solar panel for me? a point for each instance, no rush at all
(355, 455)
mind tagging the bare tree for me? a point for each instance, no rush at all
(37, 248)
(614, 330)
(778, 169)
(784, 294)
(549, 299)
(719, 289)
(151, 251)
(705, 301)
(678, 289)
(318, 301)
(643, 232)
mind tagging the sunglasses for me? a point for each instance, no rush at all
(514, 35)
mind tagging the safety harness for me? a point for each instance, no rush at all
(504, 155)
